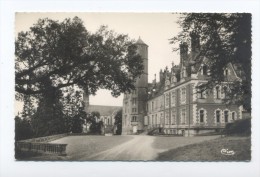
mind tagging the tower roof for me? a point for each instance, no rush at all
(140, 41)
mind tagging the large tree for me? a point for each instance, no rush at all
(225, 38)
(55, 60)
(67, 54)
(118, 122)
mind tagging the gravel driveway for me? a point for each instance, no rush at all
(123, 148)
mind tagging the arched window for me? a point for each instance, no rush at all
(218, 114)
(202, 116)
(226, 72)
(226, 117)
(217, 92)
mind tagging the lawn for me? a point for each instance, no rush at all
(210, 150)
(166, 143)
(79, 146)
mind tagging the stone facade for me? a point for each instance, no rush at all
(176, 104)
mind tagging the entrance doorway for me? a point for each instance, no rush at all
(183, 132)
(134, 129)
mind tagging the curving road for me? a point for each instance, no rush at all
(138, 148)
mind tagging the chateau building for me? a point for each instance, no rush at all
(175, 104)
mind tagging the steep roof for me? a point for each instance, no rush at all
(104, 110)
(140, 41)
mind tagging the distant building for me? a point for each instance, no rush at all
(174, 104)
(107, 113)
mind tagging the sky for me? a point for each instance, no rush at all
(155, 29)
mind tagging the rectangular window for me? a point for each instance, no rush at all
(133, 110)
(217, 116)
(167, 118)
(183, 116)
(134, 101)
(202, 93)
(152, 119)
(183, 95)
(173, 118)
(156, 121)
(173, 99)
(152, 106)
(201, 116)
(134, 119)
(233, 115)
(167, 100)
(226, 116)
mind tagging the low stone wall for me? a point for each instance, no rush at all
(45, 138)
(59, 149)
(41, 145)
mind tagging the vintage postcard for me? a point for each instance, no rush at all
(141, 88)
(133, 86)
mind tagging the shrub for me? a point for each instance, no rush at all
(239, 127)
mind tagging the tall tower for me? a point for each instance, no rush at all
(134, 103)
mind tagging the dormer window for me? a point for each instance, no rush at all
(204, 70)
(224, 92)
(226, 72)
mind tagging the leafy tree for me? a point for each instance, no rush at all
(23, 129)
(95, 125)
(225, 38)
(28, 107)
(68, 55)
(72, 101)
(53, 58)
(118, 122)
(49, 118)
(78, 121)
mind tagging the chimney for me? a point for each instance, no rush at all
(154, 81)
(174, 78)
(195, 42)
(161, 75)
(183, 52)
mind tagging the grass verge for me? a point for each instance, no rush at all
(211, 151)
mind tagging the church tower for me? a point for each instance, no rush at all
(134, 103)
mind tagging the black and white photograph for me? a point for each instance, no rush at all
(129, 88)
(133, 86)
